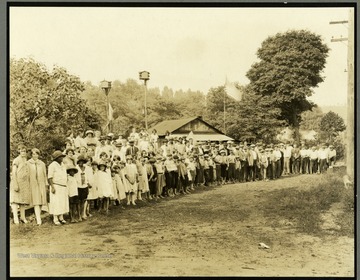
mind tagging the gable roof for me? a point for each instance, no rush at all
(172, 125)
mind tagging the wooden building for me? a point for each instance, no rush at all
(192, 128)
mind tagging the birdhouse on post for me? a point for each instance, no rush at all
(144, 75)
(105, 86)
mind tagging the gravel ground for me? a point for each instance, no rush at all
(214, 231)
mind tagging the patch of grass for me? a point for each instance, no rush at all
(303, 204)
(346, 218)
(22, 230)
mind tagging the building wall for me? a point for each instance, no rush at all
(195, 126)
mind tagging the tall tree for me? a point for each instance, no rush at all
(190, 103)
(290, 66)
(331, 125)
(255, 117)
(45, 105)
(215, 100)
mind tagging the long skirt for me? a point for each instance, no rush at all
(23, 196)
(160, 183)
(59, 201)
(93, 193)
(122, 189)
(131, 188)
(143, 185)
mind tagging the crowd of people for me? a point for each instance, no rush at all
(95, 172)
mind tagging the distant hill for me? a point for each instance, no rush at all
(341, 110)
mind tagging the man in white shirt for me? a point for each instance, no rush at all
(287, 155)
(277, 160)
(304, 159)
(332, 155)
(323, 159)
(314, 157)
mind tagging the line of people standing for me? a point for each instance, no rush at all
(96, 173)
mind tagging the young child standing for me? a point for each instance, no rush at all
(82, 177)
(104, 181)
(72, 186)
(152, 176)
(160, 176)
(183, 177)
(115, 191)
(263, 160)
(132, 178)
(93, 190)
(119, 182)
(150, 194)
(123, 179)
(192, 170)
(143, 186)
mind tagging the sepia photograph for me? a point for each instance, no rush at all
(181, 140)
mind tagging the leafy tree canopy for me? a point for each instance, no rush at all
(290, 66)
(310, 120)
(331, 125)
(45, 105)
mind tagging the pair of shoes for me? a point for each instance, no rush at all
(63, 222)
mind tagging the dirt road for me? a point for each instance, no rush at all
(212, 232)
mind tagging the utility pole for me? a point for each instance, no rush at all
(145, 76)
(225, 111)
(350, 132)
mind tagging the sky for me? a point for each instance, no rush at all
(182, 48)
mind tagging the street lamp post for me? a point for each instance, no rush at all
(145, 76)
(106, 87)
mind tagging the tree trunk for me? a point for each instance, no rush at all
(296, 127)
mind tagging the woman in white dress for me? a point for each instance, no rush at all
(59, 199)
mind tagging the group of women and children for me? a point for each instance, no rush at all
(95, 172)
